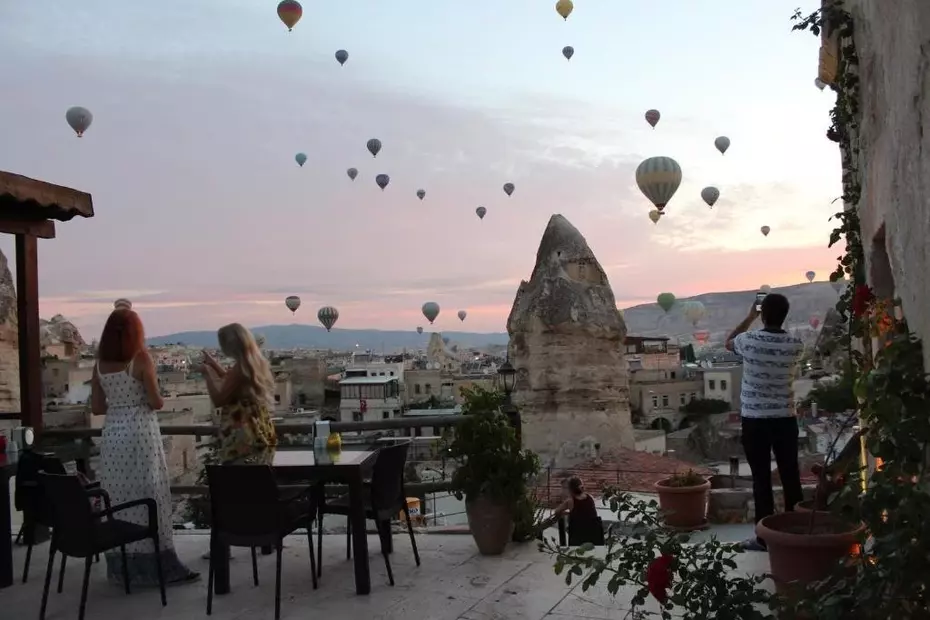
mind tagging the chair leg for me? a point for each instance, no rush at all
(87, 563)
(122, 552)
(384, 533)
(19, 535)
(319, 546)
(413, 539)
(277, 581)
(61, 573)
(348, 538)
(313, 568)
(387, 565)
(159, 568)
(209, 581)
(28, 561)
(48, 580)
(97, 558)
(254, 567)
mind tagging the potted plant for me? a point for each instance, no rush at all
(492, 469)
(683, 499)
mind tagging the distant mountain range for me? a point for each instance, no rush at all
(724, 312)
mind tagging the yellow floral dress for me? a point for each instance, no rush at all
(246, 431)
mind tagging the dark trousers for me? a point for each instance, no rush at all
(761, 438)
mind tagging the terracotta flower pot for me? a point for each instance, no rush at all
(685, 507)
(491, 524)
(800, 555)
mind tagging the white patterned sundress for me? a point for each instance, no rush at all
(133, 466)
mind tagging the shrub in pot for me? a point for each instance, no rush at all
(683, 499)
(492, 469)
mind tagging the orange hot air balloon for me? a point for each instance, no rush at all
(290, 12)
(702, 335)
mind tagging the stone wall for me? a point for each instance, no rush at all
(893, 43)
(9, 352)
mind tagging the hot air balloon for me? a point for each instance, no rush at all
(765, 230)
(382, 180)
(328, 316)
(814, 321)
(421, 194)
(694, 311)
(765, 288)
(352, 172)
(658, 179)
(481, 211)
(374, 146)
(722, 143)
(710, 195)
(820, 84)
(810, 275)
(462, 315)
(430, 311)
(652, 117)
(122, 303)
(79, 119)
(419, 330)
(666, 301)
(301, 159)
(508, 189)
(292, 303)
(701, 335)
(838, 284)
(564, 8)
(342, 56)
(568, 51)
(655, 215)
(290, 12)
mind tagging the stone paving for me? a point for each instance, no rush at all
(453, 583)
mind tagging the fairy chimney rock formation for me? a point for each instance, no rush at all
(566, 342)
(9, 352)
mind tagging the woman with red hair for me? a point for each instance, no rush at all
(132, 458)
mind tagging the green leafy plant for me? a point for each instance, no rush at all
(491, 462)
(689, 478)
(528, 515)
(838, 396)
(689, 581)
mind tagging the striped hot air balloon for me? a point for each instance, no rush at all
(658, 179)
(328, 316)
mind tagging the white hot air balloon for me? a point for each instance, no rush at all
(658, 179)
(710, 195)
(694, 311)
(79, 119)
(722, 143)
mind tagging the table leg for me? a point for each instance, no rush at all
(359, 536)
(6, 534)
(220, 557)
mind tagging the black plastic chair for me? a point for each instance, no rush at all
(248, 509)
(30, 499)
(384, 499)
(79, 531)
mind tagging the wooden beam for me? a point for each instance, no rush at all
(43, 229)
(30, 348)
(30, 195)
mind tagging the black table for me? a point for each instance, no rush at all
(7, 471)
(348, 467)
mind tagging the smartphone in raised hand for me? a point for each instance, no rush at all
(759, 297)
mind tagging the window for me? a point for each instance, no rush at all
(665, 400)
(711, 384)
(655, 401)
(391, 373)
(723, 384)
(416, 388)
(356, 416)
(692, 396)
(681, 398)
(382, 374)
(277, 399)
(429, 388)
(385, 415)
(673, 374)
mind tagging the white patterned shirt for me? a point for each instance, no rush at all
(770, 361)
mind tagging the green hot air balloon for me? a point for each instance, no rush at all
(430, 311)
(666, 301)
(328, 316)
(658, 179)
(301, 159)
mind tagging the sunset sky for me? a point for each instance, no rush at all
(203, 217)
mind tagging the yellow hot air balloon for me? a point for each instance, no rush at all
(564, 8)
(654, 215)
(658, 179)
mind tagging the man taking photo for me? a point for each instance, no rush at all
(769, 424)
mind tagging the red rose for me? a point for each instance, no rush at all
(659, 577)
(862, 297)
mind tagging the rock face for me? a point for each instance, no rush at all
(9, 352)
(566, 342)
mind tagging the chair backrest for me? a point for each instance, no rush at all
(387, 478)
(72, 514)
(243, 499)
(28, 496)
(582, 529)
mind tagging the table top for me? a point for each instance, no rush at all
(295, 457)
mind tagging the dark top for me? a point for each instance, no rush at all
(584, 526)
(583, 509)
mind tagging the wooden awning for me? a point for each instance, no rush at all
(22, 198)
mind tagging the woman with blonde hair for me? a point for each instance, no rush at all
(243, 393)
(124, 388)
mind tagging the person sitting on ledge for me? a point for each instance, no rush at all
(582, 515)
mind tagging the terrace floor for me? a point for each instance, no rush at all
(453, 583)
